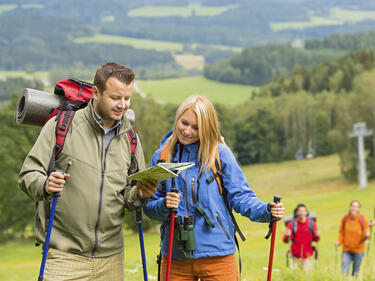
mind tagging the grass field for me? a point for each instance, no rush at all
(177, 89)
(316, 182)
(179, 11)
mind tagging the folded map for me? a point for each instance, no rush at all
(161, 171)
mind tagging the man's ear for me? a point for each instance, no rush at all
(95, 92)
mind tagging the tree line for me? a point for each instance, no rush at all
(258, 65)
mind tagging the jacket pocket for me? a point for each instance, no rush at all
(222, 226)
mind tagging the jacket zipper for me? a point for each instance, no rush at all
(222, 226)
(186, 189)
(103, 163)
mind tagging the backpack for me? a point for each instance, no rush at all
(76, 94)
(361, 221)
(311, 218)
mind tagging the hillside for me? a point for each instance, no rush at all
(316, 182)
(43, 34)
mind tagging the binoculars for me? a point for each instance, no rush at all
(184, 239)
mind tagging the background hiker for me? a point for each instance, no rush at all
(87, 237)
(201, 200)
(301, 231)
(354, 231)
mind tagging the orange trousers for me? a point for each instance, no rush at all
(203, 269)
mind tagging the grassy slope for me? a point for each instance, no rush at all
(316, 182)
(177, 89)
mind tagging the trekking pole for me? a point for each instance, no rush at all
(173, 212)
(272, 230)
(50, 223)
(138, 215)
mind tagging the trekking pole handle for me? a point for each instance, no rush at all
(175, 190)
(57, 194)
(277, 198)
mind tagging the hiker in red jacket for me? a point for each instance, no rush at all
(302, 231)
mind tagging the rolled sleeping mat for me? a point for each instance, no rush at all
(34, 107)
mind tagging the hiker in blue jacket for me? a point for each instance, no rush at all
(196, 138)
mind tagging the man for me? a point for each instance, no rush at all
(87, 238)
(354, 231)
(302, 231)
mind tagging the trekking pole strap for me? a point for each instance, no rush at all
(276, 199)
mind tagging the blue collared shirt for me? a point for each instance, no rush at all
(109, 133)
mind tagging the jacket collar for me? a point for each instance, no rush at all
(123, 125)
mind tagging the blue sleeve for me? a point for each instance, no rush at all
(242, 199)
(155, 208)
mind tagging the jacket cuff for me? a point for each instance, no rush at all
(41, 190)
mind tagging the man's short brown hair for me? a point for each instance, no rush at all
(112, 69)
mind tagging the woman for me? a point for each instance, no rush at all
(196, 138)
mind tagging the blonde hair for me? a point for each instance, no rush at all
(208, 129)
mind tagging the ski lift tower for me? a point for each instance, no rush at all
(360, 131)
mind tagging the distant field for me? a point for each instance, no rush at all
(352, 15)
(190, 61)
(108, 19)
(7, 8)
(177, 89)
(314, 21)
(147, 44)
(41, 75)
(135, 42)
(337, 16)
(179, 11)
(32, 6)
(316, 182)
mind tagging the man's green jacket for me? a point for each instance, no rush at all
(90, 211)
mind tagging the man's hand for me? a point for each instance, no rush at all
(55, 182)
(277, 210)
(172, 200)
(147, 188)
(337, 244)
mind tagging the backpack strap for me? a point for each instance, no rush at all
(164, 153)
(133, 146)
(219, 179)
(311, 225)
(63, 121)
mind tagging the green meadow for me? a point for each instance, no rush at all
(316, 182)
(176, 90)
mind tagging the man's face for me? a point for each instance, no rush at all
(187, 127)
(112, 104)
(354, 208)
(302, 213)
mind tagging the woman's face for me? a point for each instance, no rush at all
(187, 127)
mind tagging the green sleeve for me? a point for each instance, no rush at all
(33, 173)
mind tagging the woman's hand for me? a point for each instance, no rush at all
(172, 200)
